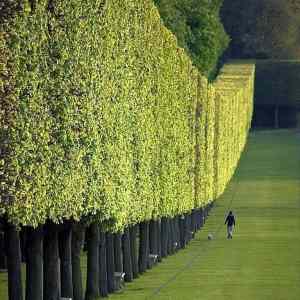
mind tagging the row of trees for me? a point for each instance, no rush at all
(106, 125)
(198, 29)
(277, 100)
(262, 28)
(53, 265)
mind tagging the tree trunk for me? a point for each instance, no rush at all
(133, 250)
(23, 244)
(127, 256)
(197, 218)
(196, 214)
(276, 117)
(92, 281)
(173, 227)
(164, 237)
(65, 254)
(110, 258)
(177, 230)
(3, 262)
(77, 245)
(175, 243)
(152, 240)
(201, 217)
(144, 246)
(51, 263)
(153, 237)
(298, 120)
(12, 241)
(182, 222)
(118, 252)
(34, 265)
(188, 228)
(170, 237)
(204, 214)
(193, 222)
(103, 266)
(158, 225)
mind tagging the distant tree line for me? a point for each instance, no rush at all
(198, 28)
(262, 28)
(277, 99)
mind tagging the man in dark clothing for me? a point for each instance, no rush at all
(230, 221)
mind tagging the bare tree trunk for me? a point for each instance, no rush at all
(158, 224)
(51, 263)
(177, 229)
(3, 261)
(118, 252)
(170, 237)
(133, 250)
(110, 258)
(276, 117)
(92, 283)
(12, 239)
(144, 246)
(182, 222)
(77, 245)
(103, 265)
(65, 251)
(127, 256)
(34, 264)
(164, 237)
(153, 237)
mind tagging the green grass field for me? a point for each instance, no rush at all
(263, 259)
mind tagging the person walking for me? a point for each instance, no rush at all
(230, 221)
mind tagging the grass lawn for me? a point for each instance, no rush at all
(263, 259)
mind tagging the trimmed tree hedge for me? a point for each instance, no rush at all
(103, 115)
(104, 120)
(234, 87)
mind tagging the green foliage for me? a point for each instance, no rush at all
(98, 115)
(234, 87)
(282, 85)
(265, 176)
(198, 29)
(263, 28)
(96, 128)
(223, 129)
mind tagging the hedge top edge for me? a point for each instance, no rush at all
(98, 116)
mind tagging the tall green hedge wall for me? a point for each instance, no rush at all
(103, 115)
(234, 87)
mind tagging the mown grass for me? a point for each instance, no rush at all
(263, 259)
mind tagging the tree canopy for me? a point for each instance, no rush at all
(102, 113)
(263, 28)
(198, 29)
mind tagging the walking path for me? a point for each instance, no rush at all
(262, 261)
